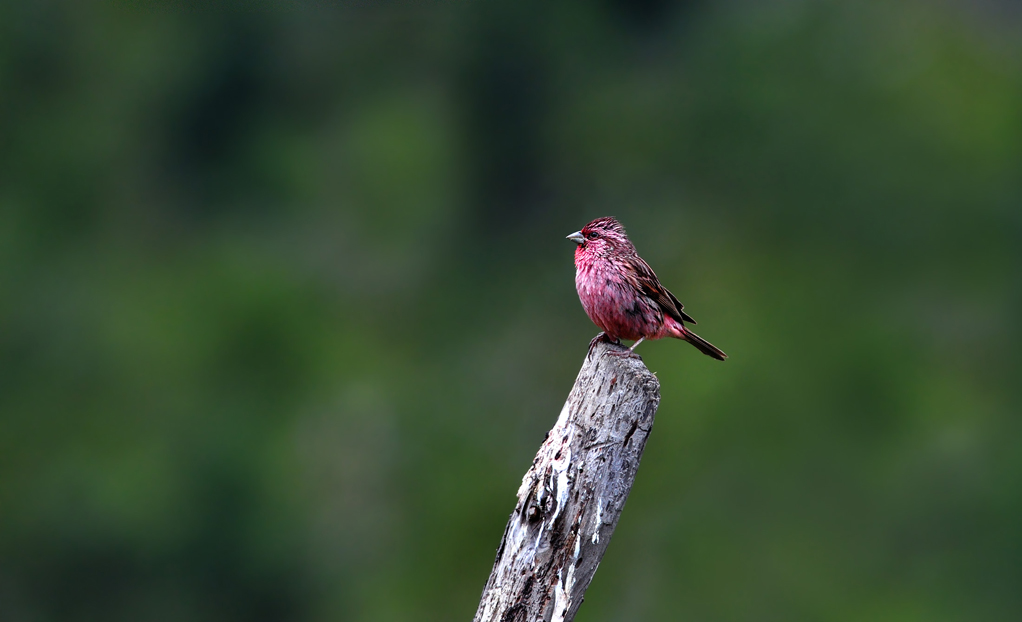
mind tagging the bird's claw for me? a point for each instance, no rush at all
(604, 337)
(625, 353)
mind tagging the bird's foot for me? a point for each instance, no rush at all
(624, 353)
(627, 352)
(603, 336)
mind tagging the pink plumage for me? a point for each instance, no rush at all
(621, 294)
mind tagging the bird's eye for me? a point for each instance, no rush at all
(593, 235)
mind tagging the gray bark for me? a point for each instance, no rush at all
(571, 498)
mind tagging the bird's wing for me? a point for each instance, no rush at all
(645, 280)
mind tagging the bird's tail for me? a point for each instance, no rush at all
(703, 345)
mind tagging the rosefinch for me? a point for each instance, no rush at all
(621, 294)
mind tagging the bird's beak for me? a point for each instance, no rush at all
(577, 237)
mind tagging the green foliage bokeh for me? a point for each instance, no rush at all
(286, 305)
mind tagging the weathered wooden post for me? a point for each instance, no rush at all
(571, 498)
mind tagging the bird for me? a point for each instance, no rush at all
(622, 295)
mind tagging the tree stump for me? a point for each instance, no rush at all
(572, 496)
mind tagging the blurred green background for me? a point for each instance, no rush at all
(286, 306)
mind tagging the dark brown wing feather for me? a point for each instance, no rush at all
(644, 279)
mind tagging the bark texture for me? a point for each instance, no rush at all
(571, 498)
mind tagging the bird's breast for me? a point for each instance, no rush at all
(613, 304)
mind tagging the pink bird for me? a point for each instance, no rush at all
(621, 294)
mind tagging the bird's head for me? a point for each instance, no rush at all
(600, 238)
